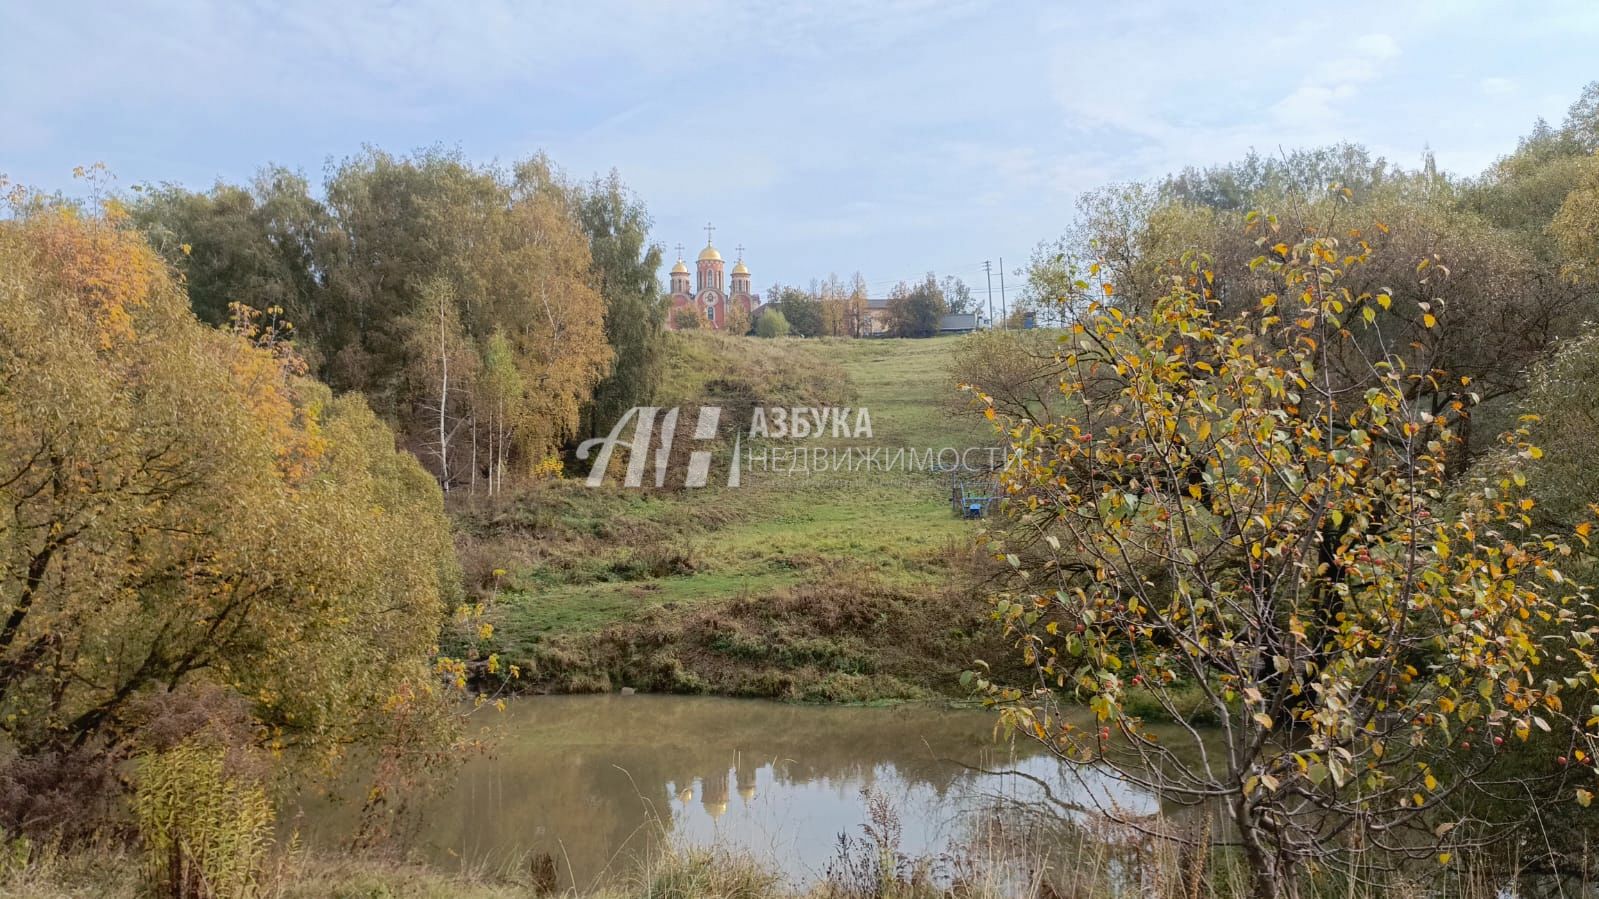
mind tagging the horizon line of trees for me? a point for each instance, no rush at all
(832, 307)
(492, 314)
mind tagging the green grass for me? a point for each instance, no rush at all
(581, 562)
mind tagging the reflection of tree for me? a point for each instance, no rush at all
(587, 779)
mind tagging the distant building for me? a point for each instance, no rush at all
(712, 296)
(957, 323)
(875, 322)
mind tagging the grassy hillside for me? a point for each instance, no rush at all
(824, 585)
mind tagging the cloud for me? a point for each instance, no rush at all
(1376, 46)
(892, 136)
(1316, 105)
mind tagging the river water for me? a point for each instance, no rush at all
(595, 780)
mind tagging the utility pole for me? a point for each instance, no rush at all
(1004, 313)
(988, 270)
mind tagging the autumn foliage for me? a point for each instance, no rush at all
(183, 508)
(1221, 521)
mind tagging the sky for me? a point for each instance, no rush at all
(889, 137)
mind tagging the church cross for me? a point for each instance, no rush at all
(680, 251)
(708, 229)
(740, 249)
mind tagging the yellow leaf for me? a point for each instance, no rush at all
(1444, 857)
(1427, 320)
(1584, 798)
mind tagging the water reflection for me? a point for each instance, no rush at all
(592, 780)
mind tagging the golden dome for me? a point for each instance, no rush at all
(681, 268)
(739, 269)
(710, 253)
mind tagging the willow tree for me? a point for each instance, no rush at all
(1215, 519)
(624, 271)
(181, 506)
(1575, 227)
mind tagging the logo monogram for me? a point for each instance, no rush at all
(638, 455)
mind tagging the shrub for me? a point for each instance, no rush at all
(206, 827)
(1221, 510)
(772, 323)
(687, 319)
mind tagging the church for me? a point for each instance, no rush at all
(712, 298)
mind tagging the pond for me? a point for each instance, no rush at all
(595, 780)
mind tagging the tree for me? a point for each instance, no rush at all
(1576, 226)
(771, 323)
(445, 363)
(1532, 780)
(1018, 372)
(833, 299)
(802, 311)
(1487, 248)
(257, 246)
(738, 321)
(510, 248)
(182, 506)
(1051, 283)
(545, 300)
(564, 272)
(499, 405)
(916, 311)
(855, 306)
(688, 318)
(624, 267)
(957, 296)
(1216, 515)
(1240, 186)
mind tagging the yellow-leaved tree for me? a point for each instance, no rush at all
(1219, 520)
(180, 507)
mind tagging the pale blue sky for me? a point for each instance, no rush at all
(890, 136)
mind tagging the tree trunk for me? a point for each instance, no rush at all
(444, 401)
